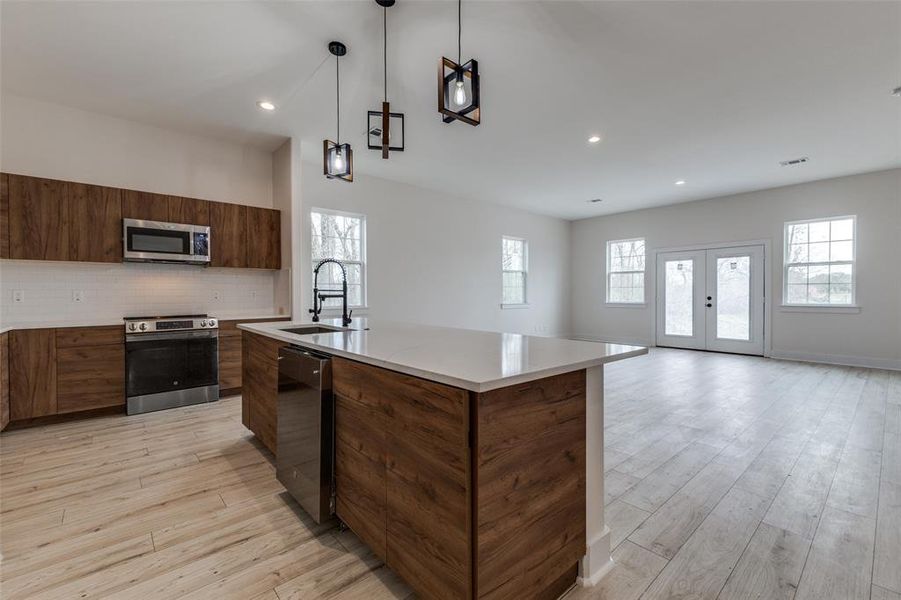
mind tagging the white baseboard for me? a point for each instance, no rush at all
(838, 359)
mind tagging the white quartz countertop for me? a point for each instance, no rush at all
(474, 360)
(62, 323)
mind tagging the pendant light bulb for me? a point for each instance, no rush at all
(339, 161)
(460, 93)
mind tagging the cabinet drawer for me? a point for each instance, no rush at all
(73, 337)
(90, 377)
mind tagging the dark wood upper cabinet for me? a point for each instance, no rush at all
(4, 215)
(189, 210)
(228, 235)
(145, 206)
(38, 218)
(95, 223)
(264, 238)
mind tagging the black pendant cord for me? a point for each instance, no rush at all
(338, 99)
(459, 31)
(385, 53)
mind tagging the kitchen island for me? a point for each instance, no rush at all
(471, 462)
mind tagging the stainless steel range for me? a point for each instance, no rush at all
(170, 361)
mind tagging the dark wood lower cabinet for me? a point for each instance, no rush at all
(230, 371)
(4, 380)
(32, 373)
(90, 377)
(259, 397)
(464, 495)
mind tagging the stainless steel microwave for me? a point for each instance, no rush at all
(158, 241)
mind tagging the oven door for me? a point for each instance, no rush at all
(165, 362)
(165, 242)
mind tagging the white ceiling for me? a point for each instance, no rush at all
(715, 93)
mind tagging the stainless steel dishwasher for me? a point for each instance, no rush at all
(305, 456)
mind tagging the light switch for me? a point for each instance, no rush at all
(18, 296)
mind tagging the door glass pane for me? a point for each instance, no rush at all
(678, 294)
(733, 298)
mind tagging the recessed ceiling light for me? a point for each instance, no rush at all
(680, 182)
(266, 105)
(594, 139)
(896, 91)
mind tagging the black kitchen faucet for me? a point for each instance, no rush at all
(318, 296)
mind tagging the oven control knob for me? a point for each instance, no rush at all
(203, 323)
(143, 326)
(212, 322)
(132, 326)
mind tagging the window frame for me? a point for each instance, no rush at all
(364, 287)
(826, 307)
(524, 271)
(644, 281)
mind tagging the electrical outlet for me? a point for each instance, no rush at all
(217, 295)
(77, 295)
(253, 293)
(18, 296)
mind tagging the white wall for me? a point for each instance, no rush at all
(436, 259)
(870, 337)
(49, 140)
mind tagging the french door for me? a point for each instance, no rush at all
(711, 299)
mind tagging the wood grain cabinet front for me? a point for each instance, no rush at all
(90, 377)
(263, 238)
(4, 215)
(95, 223)
(144, 206)
(38, 218)
(259, 398)
(32, 373)
(230, 348)
(189, 210)
(228, 233)
(4, 380)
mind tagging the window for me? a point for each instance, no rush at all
(819, 262)
(341, 236)
(515, 263)
(625, 271)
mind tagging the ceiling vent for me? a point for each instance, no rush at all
(794, 161)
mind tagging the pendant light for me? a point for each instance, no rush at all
(337, 158)
(385, 128)
(458, 84)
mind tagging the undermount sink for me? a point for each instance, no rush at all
(308, 329)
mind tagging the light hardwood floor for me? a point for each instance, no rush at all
(727, 477)
(733, 477)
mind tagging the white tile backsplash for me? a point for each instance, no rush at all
(110, 292)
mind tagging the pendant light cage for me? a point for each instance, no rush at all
(337, 158)
(458, 84)
(385, 129)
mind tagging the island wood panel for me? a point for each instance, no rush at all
(530, 479)
(38, 218)
(32, 373)
(228, 235)
(259, 358)
(4, 215)
(145, 206)
(74, 337)
(426, 489)
(189, 210)
(90, 377)
(263, 238)
(360, 472)
(95, 223)
(229, 362)
(4, 380)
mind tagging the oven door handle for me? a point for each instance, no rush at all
(171, 335)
